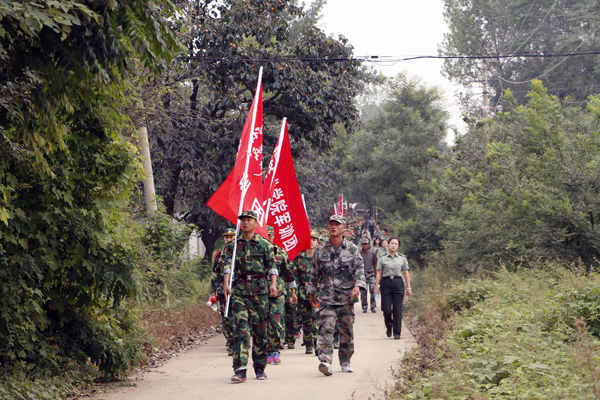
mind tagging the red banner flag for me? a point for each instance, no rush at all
(242, 190)
(340, 206)
(283, 200)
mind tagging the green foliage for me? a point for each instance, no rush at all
(165, 237)
(499, 347)
(581, 304)
(506, 27)
(467, 296)
(54, 55)
(65, 175)
(525, 187)
(398, 147)
(194, 147)
(64, 261)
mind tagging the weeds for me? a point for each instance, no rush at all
(521, 334)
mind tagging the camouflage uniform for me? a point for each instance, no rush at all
(291, 327)
(254, 264)
(336, 273)
(302, 267)
(276, 304)
(216, 286)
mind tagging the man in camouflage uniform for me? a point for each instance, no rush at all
(291, 324)
(216, 290)
(338, 275)
(255, 279)
(276, 304)
(302, 268)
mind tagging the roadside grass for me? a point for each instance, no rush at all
(522, 334)
(151, 328)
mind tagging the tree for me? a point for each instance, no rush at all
(195, 149)
(511, 27)
(66, 170)
(398, 147)
(526, 187)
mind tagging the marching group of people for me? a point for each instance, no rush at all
(272, 296)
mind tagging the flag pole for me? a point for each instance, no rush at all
(244, 186)
(278, 149)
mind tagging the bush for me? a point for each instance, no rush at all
(499, 345)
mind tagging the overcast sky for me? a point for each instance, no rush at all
(396, 28)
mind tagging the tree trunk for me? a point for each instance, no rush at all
(149, 192)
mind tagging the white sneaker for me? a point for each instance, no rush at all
(325, 368)
(347, 368)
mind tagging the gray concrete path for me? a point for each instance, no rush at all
(205, 372)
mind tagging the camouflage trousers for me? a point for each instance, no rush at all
(307, 320)
(250, 321)
(290, 323)
(275, 323)
(226, 323)
(328, 316)
(370, 280)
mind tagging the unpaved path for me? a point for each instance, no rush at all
(205, 372)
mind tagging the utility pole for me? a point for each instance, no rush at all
(149, 193)
(485, 93)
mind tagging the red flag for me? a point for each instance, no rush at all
(340, 205)
(287, 213)
(242, 190)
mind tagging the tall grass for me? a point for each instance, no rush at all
(514, 334)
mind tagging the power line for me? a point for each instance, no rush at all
(388, 59)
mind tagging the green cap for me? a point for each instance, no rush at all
(249, 214)
(270, 229)
(365, 241)
(337, 218)
(229, 232)
(314, 234)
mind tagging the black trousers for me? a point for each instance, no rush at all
(392, 296)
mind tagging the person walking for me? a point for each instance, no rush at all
(370, 262)
(302, 269)
(275, 314)
(338, 275)
(384, 248)
(216, 290)
(391, 268)
(255, 279)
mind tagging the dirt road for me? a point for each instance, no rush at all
(204, 373)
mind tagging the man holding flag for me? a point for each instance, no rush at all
(256, 280)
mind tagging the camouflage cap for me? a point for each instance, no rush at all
(270, 229)
(249, 213)
(337, 218)
(229, 232)
(365, 241)
(314, 234)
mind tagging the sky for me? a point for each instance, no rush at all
(396, 28)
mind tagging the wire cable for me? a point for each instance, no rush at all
(377, 60)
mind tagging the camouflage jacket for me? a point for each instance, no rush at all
(284, 268)
(335, 274)
(253, 257)
(302, 267)
(216, 280)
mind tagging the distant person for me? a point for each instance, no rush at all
(371, 226)
(275, 314)
(370, 262)
(255, 280)
(302, 269)
(376, 245)
(384, 248)
(216, 290)
(391, 268)
(337, 275)
(384, 235)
